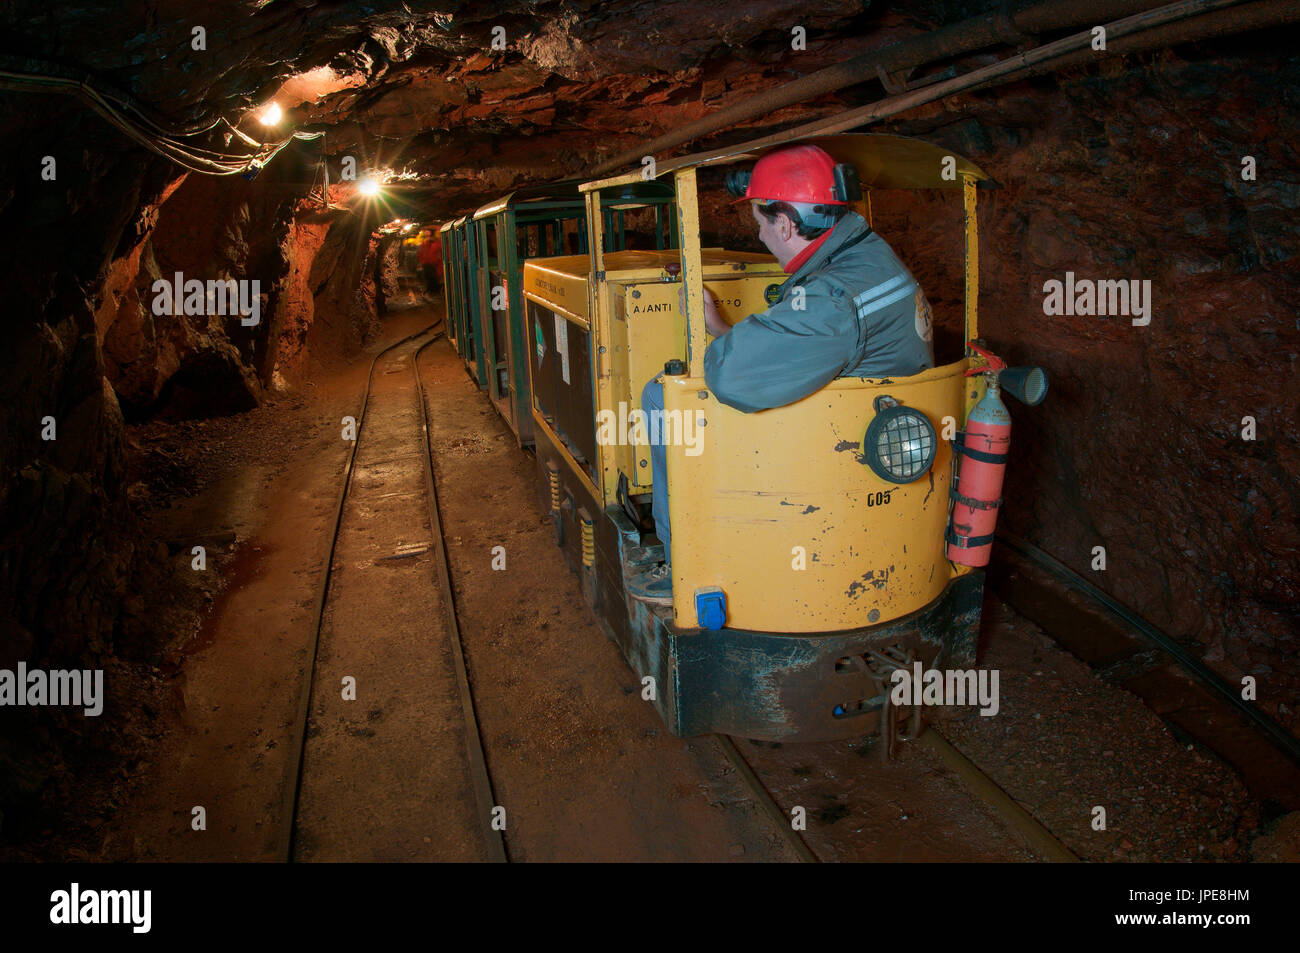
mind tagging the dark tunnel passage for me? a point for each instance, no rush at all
(214, 218)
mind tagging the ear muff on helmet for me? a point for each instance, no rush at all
(847, 188)
(736, 182)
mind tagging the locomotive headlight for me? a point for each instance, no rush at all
(901, 442)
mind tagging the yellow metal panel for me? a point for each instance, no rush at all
(556, 283)
(607, 453)
(627, 178)
(633, 349)
(595, 231)
(649, 264)
(757, 495)
(896, 162)
(976, 386)
(573, 266)
(492, 208)
(632, 337)
(648, 330)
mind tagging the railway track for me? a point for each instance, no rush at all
(1200, 709)
(764, 802)
(1126, 650)
(1034, 835)
(492, 841)
(291, 789)
(493, 836)
(1123, 650)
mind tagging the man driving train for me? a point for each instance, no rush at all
(849, 309)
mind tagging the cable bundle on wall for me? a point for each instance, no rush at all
(151, 135)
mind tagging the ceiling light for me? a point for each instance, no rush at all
(272, 114)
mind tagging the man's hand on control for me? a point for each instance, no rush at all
(713, 322)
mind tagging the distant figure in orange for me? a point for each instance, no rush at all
(430, 259)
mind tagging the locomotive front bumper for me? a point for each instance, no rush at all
(805, 687)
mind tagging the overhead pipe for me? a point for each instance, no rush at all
(997, 28)
(1260, 15)
(1013, 67)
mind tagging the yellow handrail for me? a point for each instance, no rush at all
(972, 260)
(688, 212)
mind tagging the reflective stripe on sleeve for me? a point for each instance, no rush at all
(883, 302)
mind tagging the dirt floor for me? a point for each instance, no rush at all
(271, 478)
(582, 766)
(1065, 743)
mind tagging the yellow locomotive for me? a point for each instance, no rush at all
(805, 572)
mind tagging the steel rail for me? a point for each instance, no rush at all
(1028, 828)
(291, 788)
(764, 801)
(1282, 739)
(493, 838)
(1034, 833)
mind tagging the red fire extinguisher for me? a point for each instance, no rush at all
(977, 487)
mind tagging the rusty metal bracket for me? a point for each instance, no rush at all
(881, 667)
(895, 83)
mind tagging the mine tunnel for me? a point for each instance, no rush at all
(836, 431)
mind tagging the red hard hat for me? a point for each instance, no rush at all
(797, 174)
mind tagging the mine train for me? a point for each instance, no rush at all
(818, 547)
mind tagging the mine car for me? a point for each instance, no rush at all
(818, 547)
(489, 248)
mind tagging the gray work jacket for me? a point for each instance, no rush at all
(860, 314)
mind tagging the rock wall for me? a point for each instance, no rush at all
(79, 585)
(63, 561)
(342, 281)
(184, 365)
(297, 308)
(68, 556)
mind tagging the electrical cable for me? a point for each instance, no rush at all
(152, 135)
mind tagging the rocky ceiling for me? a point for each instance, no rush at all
(471, 99)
